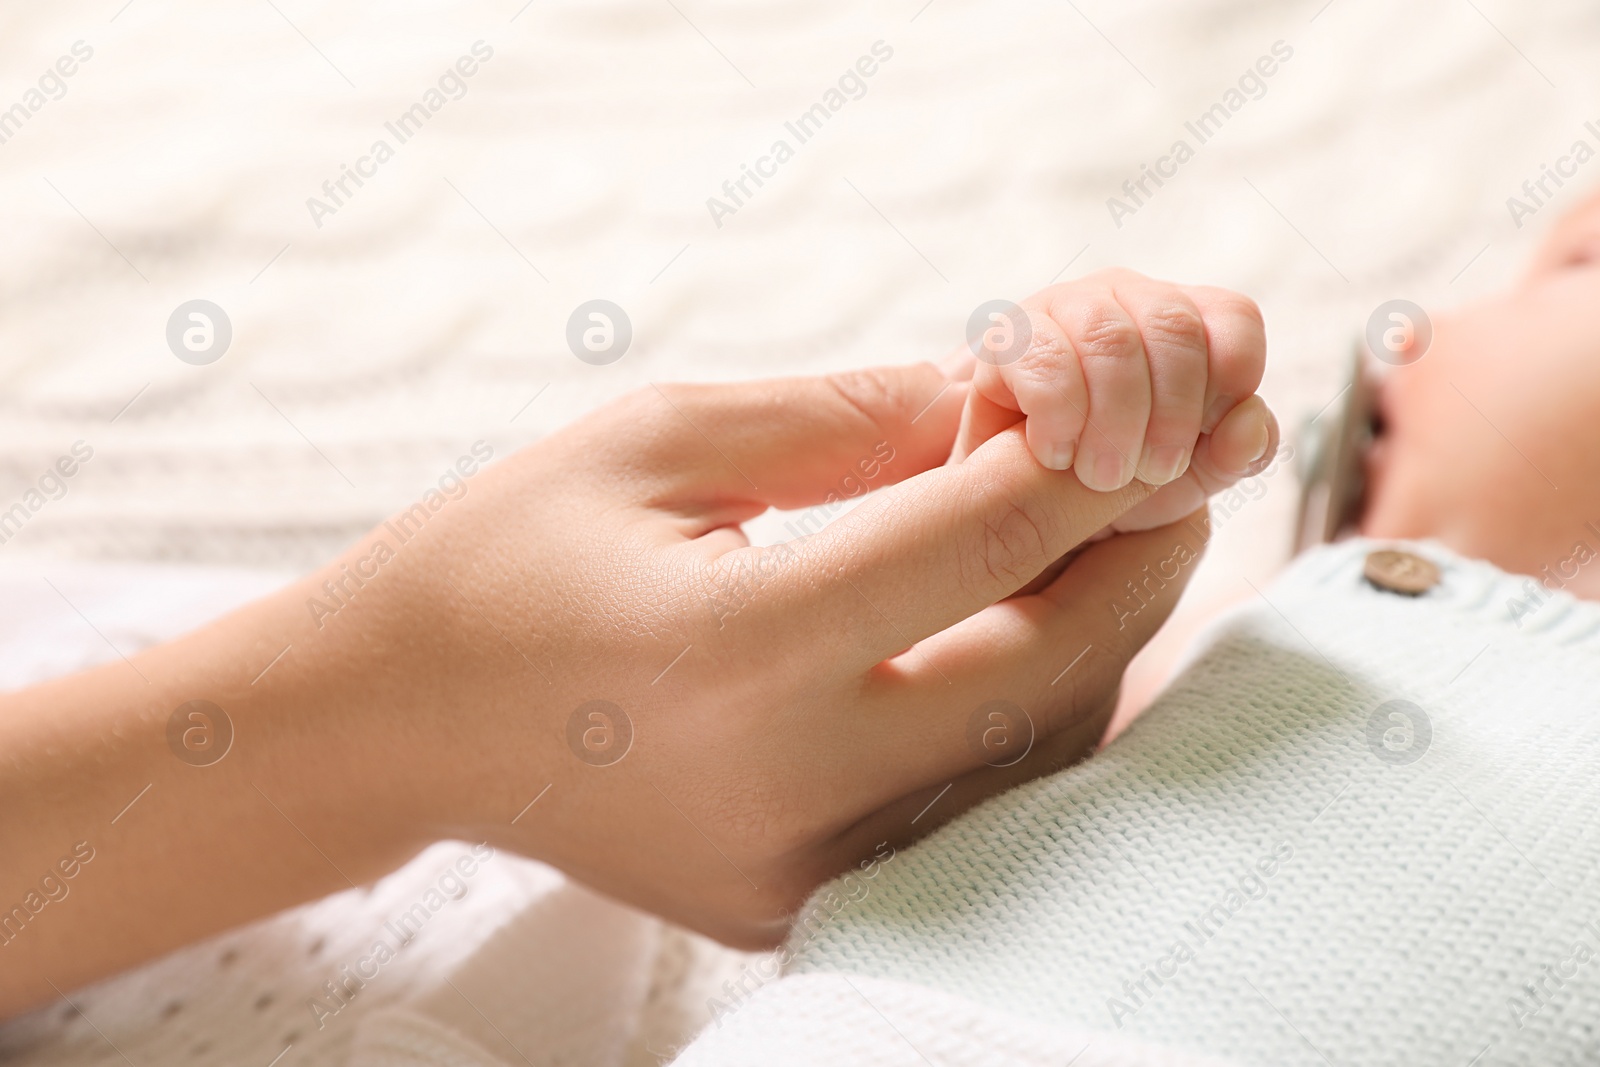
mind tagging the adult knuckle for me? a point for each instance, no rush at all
(682, 399)
(672, 419)
(654, 407)
(640, 415)
(874, 394)
(635, 403)
(1008, 546)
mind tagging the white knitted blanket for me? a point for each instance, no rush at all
(432, 306)
(1359, 829)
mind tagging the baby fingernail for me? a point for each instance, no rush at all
(1102, 471)
(1214, 414)
(1060, 455)
(1259, 434)
(1160, 465)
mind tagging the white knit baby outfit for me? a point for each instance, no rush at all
(1360, 828)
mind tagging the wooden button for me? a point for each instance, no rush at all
(1400, 572)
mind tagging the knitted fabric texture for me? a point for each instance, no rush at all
(1278, 864)
(842, 1020)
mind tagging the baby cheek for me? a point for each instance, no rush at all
(1400, 500)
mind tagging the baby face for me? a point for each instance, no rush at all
(1490, 442)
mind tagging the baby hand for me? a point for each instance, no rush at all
(1120, 377)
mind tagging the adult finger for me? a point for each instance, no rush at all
(1244, 444)
(933, 551)
(788, 443)
(1050, 658)
(981, 419)
(1029, 692)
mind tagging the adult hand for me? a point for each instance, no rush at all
(788, 708)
